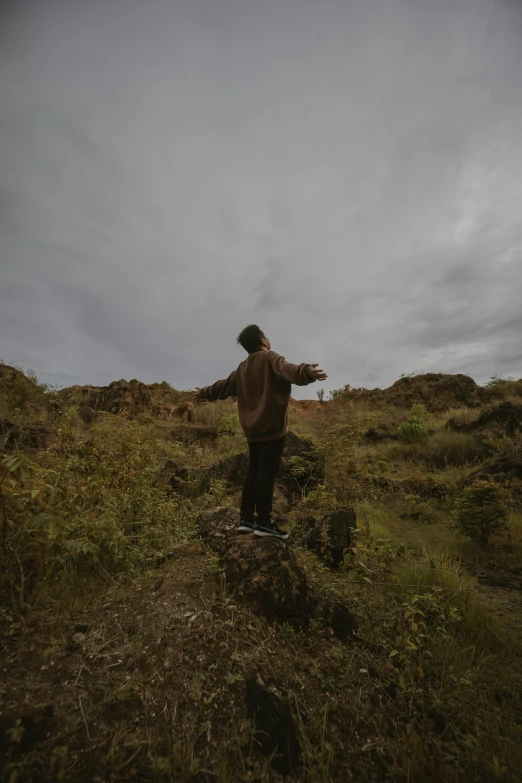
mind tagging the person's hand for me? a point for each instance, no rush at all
(197, 395)
(316, 374)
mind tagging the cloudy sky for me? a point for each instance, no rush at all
(345, 173)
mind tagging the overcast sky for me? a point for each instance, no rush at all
(345, 173)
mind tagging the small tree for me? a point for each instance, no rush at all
(413, 430)
(320, 395)
(482, 511)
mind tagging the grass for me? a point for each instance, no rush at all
(461, 416)
(437, 570)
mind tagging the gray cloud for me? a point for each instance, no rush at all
(345, 174)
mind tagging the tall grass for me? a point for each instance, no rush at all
(453, 449)
(438, 571)
(462, 416)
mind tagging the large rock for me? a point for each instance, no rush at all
(275, 730)
(262, 570)
(331, 535)
(344, 623)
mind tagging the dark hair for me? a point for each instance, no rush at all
(250, 338)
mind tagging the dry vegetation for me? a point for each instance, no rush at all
(124, 656)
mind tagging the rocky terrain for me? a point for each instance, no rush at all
(142, 638)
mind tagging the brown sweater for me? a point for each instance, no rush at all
(262, 385)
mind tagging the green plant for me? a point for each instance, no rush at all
(21, 392)
(320, 395)
(419, 411)
(497, 380)
(482, 511)
(413, 430)
(337, 393)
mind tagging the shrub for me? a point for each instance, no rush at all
(497, 380)
(413, 430)
(20, 391)
(419, 411)
(320, 395)
(509, 446)
(482, 511)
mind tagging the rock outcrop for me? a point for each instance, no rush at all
(259, 570)
(437, 391)
(131, 399)
(502, 419)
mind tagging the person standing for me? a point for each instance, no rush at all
(262, 384)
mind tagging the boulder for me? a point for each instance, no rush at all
(343, 622)
(275, 730)
(331, 535)
(261, 570)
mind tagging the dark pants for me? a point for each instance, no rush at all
(258, 490)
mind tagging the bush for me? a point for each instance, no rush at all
(482, 511)
(413, 430)
(510, 447)
(20, 391)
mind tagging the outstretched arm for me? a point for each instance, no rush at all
(219, 390)
(300, 374)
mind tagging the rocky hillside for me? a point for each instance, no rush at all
(143, 639)
(436, 391)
